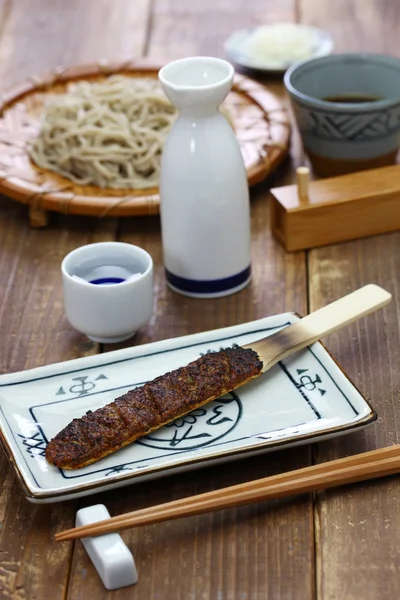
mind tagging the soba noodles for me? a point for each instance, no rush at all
(107, 134)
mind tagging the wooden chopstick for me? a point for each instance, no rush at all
(360, 467)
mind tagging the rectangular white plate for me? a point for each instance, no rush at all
(305, 398)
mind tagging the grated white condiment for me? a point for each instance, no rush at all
(281, 43)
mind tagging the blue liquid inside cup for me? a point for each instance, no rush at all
(105, 274)
(107, 280)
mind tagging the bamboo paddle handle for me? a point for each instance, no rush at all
(319, 323)
(367, 465)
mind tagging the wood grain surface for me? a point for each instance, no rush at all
(33, 328)
(341, 545)
(356, 529)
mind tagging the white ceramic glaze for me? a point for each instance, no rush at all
(109, 554)
(205, 213)
(108, 312)
(305, 398)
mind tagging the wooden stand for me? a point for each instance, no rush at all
(317, 213)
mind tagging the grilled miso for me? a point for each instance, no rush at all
(148, 407)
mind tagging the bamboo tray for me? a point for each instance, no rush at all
(260, 121)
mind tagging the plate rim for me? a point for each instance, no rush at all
(61, 494)
(241, 59)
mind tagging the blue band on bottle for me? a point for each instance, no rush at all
(208, 286)
(107, 280)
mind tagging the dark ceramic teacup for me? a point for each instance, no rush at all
(347, 108)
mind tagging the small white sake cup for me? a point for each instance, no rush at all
(108, 290)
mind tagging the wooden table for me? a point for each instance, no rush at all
(339, 545)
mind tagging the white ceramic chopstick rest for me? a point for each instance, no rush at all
(109, 554)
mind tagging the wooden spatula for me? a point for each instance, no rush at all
(317, 324)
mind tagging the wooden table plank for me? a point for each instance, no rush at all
(366, 516)
(37, 36)
(264, 551)
(188, 28)
(256, 552)
(355, 26)
(358, 528)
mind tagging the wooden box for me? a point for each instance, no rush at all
(337, 209)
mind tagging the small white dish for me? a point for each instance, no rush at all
(240, 46)
(305, 398)
(108, 290)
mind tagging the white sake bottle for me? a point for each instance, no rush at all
(205, 211)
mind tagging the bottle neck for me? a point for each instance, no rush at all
(200, 112)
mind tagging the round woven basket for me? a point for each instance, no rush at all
(260, 121)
